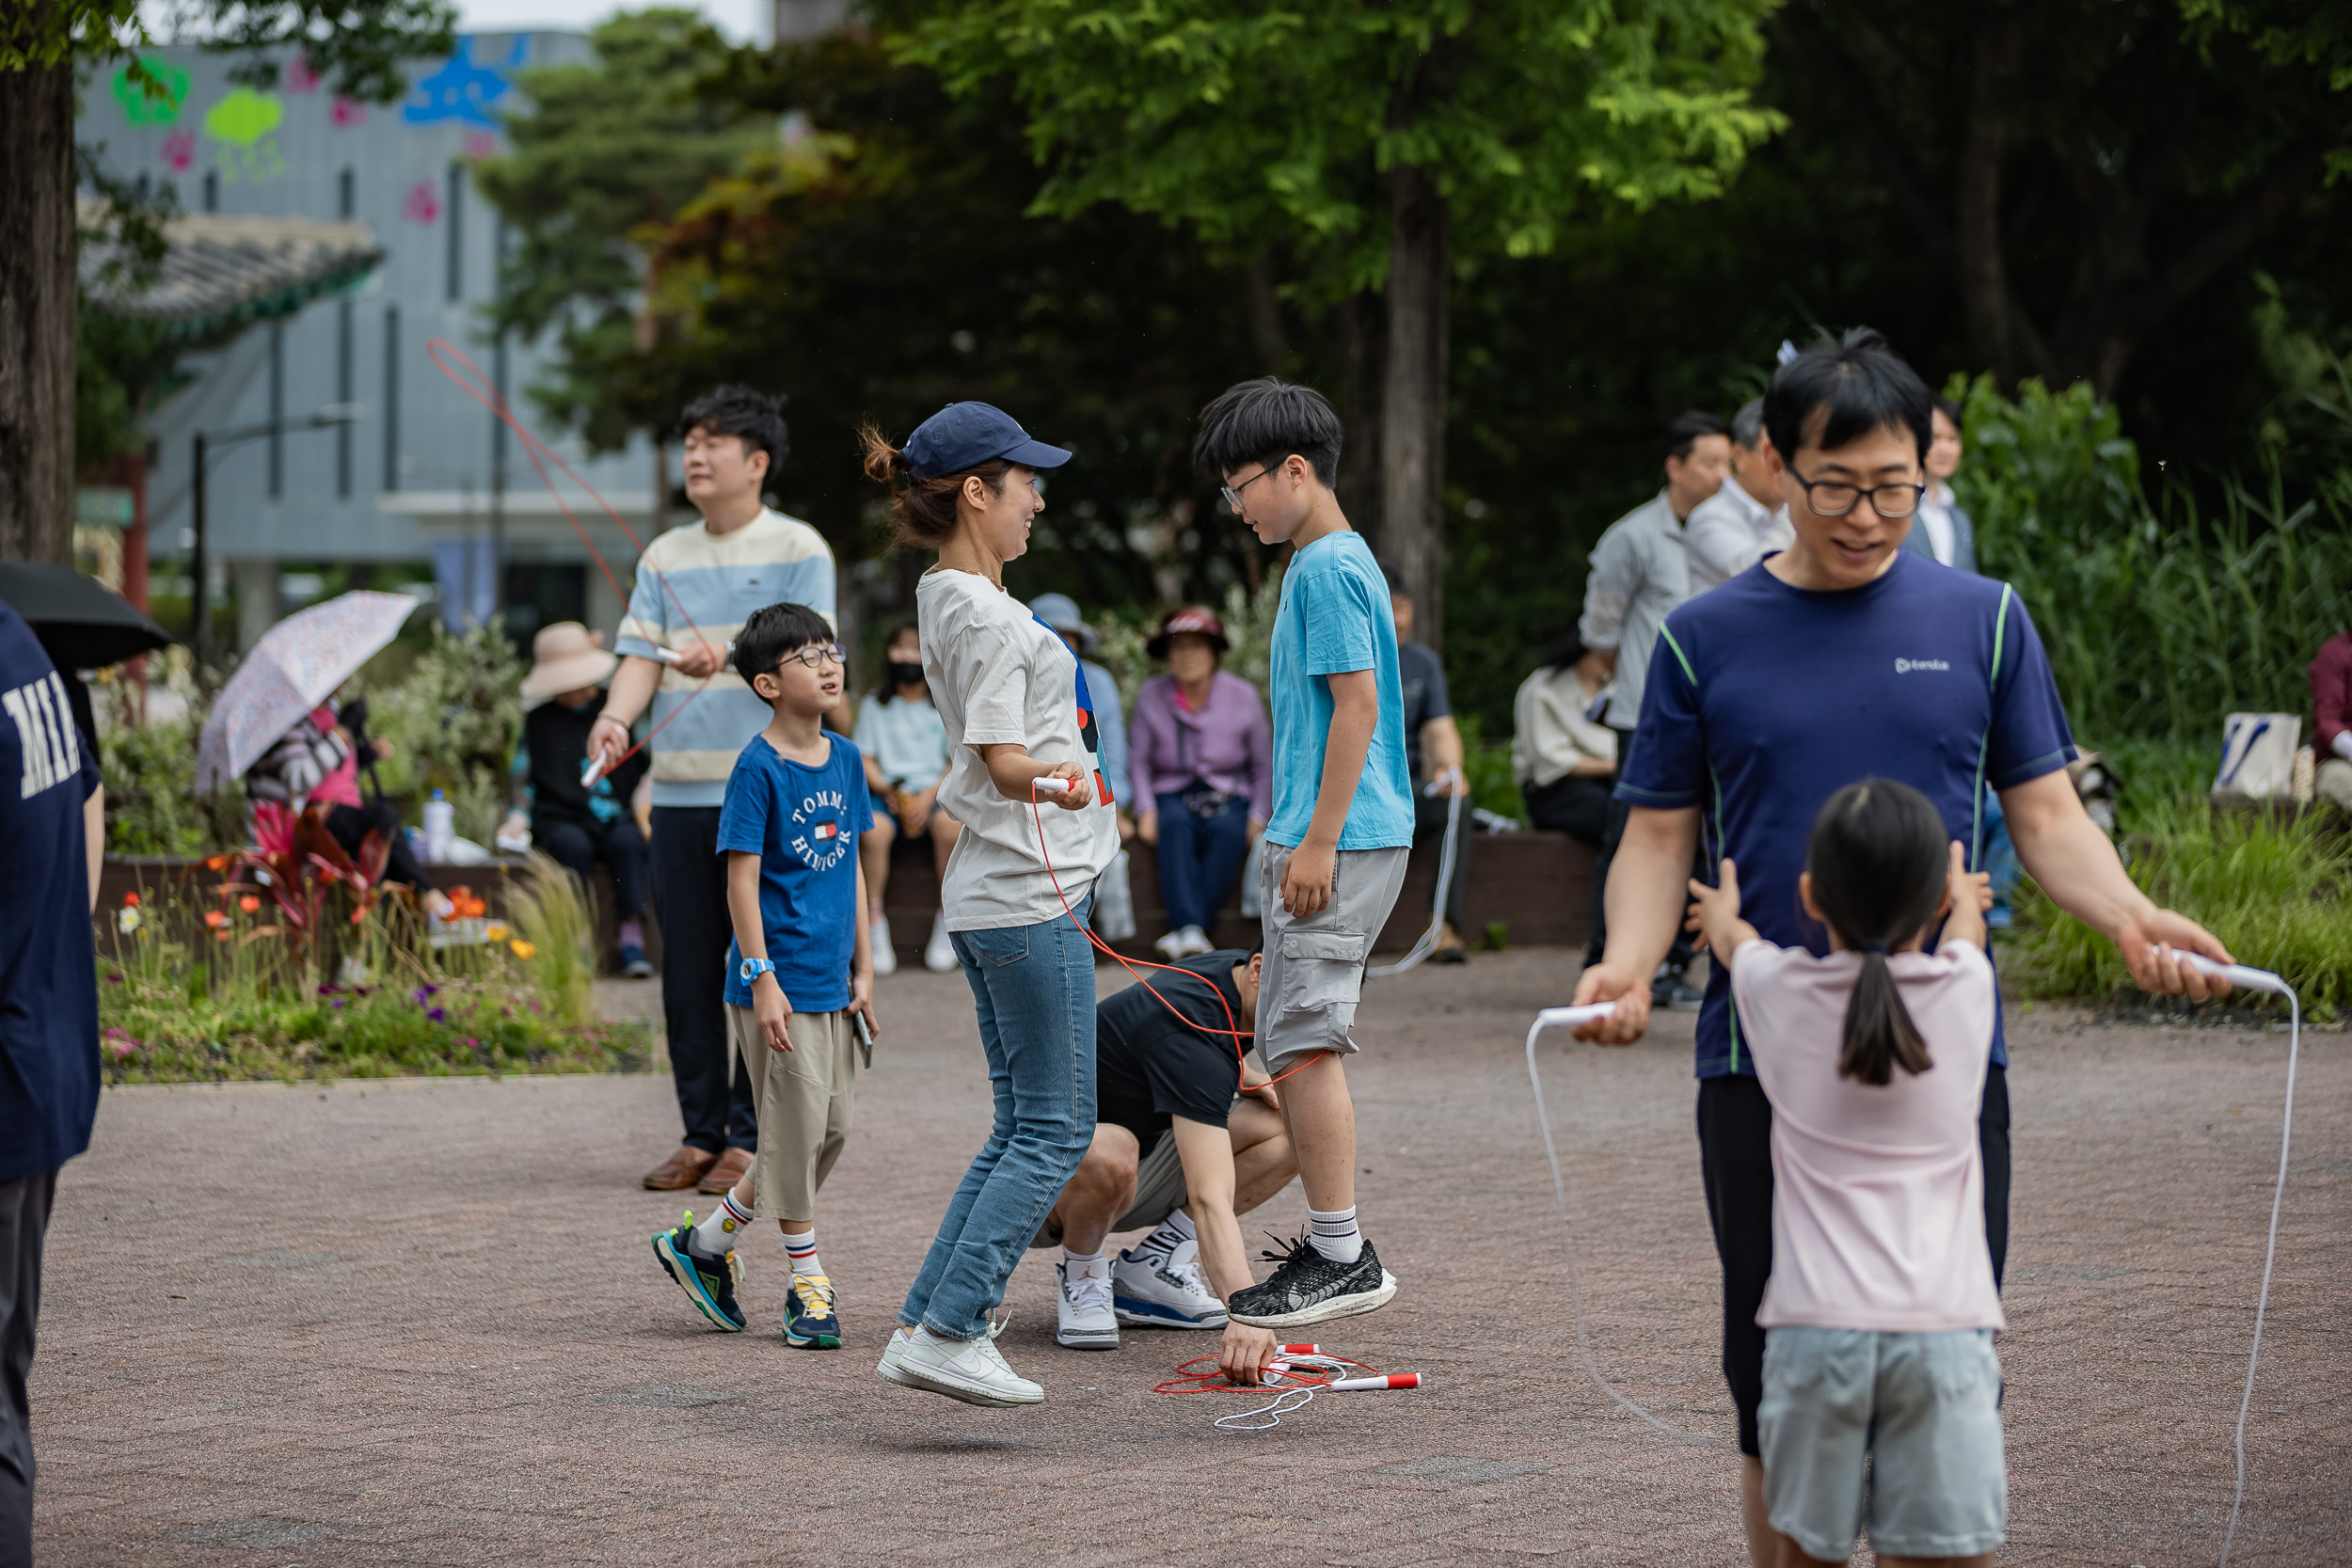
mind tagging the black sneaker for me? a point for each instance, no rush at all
(1670, 991)
(1309, 1288)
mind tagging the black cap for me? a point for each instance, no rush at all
(966, 434)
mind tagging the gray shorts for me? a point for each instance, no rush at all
(1159, 1193)
(1924, 1408)
(1315, 968)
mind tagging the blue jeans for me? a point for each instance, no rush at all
(1034, 988)
(1200, 859)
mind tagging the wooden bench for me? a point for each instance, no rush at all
(1538, 886)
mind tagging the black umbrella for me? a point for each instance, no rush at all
(84, 624)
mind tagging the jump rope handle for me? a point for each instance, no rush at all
(1389, 1380)
(1050, 786)
(2237, 974)
(1569, 1018)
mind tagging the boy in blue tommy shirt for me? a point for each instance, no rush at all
(1342, 829)
(799, 976)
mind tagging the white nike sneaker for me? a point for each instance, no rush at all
(966, 1370)
(1150, 1291)
(1172, 946)
(939, 954)
(1085, 1307)
(893, 1357)
(878, 937)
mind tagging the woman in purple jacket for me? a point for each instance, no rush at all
(1201, 756)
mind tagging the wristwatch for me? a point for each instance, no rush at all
(754, 968)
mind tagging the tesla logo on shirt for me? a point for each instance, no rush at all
(49, 744)
(1905, 666)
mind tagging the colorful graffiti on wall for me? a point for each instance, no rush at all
(464, 90)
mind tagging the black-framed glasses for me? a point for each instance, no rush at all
(815, 655)
(1233, 492)
(1830, 498)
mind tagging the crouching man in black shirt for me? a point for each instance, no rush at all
(1186, 1140)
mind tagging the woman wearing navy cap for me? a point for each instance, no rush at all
(1016, 710)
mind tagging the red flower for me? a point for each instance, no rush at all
(129, 900)
(248, 903)
(214, 918)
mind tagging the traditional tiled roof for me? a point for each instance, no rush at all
(223, 271)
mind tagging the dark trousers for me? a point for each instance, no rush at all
(1736, 1165)
(1678, 958)
(350, 825)
(1577, 805)
(689, 898)
(1429, 818)
(576, 846)
(1200, 858)
(24, 1221)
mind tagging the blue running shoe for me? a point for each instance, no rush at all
(809, 1321)
(710, 1281)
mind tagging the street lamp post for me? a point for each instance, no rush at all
(206, 442)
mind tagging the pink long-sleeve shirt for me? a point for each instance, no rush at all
(1227, 744)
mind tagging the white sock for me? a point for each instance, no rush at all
(1077, 1265)
(1335, 1235)
(801, 1249)
(1171, 1233)
(716, 1235)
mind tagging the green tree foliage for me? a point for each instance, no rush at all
(603, 156)
(1384, 146)
(2080, 172)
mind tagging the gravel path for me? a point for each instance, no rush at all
(418, 1323)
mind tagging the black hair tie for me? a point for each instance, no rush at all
(1877, 948)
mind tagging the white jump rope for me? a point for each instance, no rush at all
(1428, 941)
(2237, 974)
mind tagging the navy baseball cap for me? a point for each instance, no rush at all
(966, 434)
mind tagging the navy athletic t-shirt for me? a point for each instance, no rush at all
(1149, 1069)
(48, 966)
(1765, 700)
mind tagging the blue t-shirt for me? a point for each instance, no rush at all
(802, 823)
(1765, 700)
(47, 967)
(1336, 618)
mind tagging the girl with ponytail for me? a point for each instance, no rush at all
(1880, 1309)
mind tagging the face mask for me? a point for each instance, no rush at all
(905, 674)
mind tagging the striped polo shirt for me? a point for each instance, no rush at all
(690, 580)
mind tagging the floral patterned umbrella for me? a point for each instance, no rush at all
(295, 666)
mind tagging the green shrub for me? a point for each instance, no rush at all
(454, 722)
(2273, 890)
(551, 913)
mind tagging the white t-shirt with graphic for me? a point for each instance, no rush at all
(998, 676)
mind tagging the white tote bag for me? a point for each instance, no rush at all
(2258, 756)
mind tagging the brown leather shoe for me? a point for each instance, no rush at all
(722, 1177)
(680, 1170)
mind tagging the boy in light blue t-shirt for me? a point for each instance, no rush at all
(800, 975)
(1342, 827)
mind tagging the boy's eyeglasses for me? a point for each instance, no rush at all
(1829, 498)
(1233, 492)
(815, 655)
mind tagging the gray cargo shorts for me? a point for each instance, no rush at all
(1315, 968)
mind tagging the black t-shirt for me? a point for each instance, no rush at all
(557, 739)
(1424, 680)
(1149, 1068)
(48, 971)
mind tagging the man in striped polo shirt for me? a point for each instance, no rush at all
(695, 586)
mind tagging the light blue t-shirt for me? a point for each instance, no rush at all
(802, 823)
(1335, 618)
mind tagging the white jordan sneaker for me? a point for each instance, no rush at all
(1085, 1307)
(1150, 1291)
(966, 1370)
(878, 937)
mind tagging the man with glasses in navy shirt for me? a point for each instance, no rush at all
(1842, 658)
(52, 830)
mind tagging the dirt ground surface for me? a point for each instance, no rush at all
(419, 1323)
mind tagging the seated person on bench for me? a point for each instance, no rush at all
(1177, 1149)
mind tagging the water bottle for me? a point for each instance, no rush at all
(441, 827)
